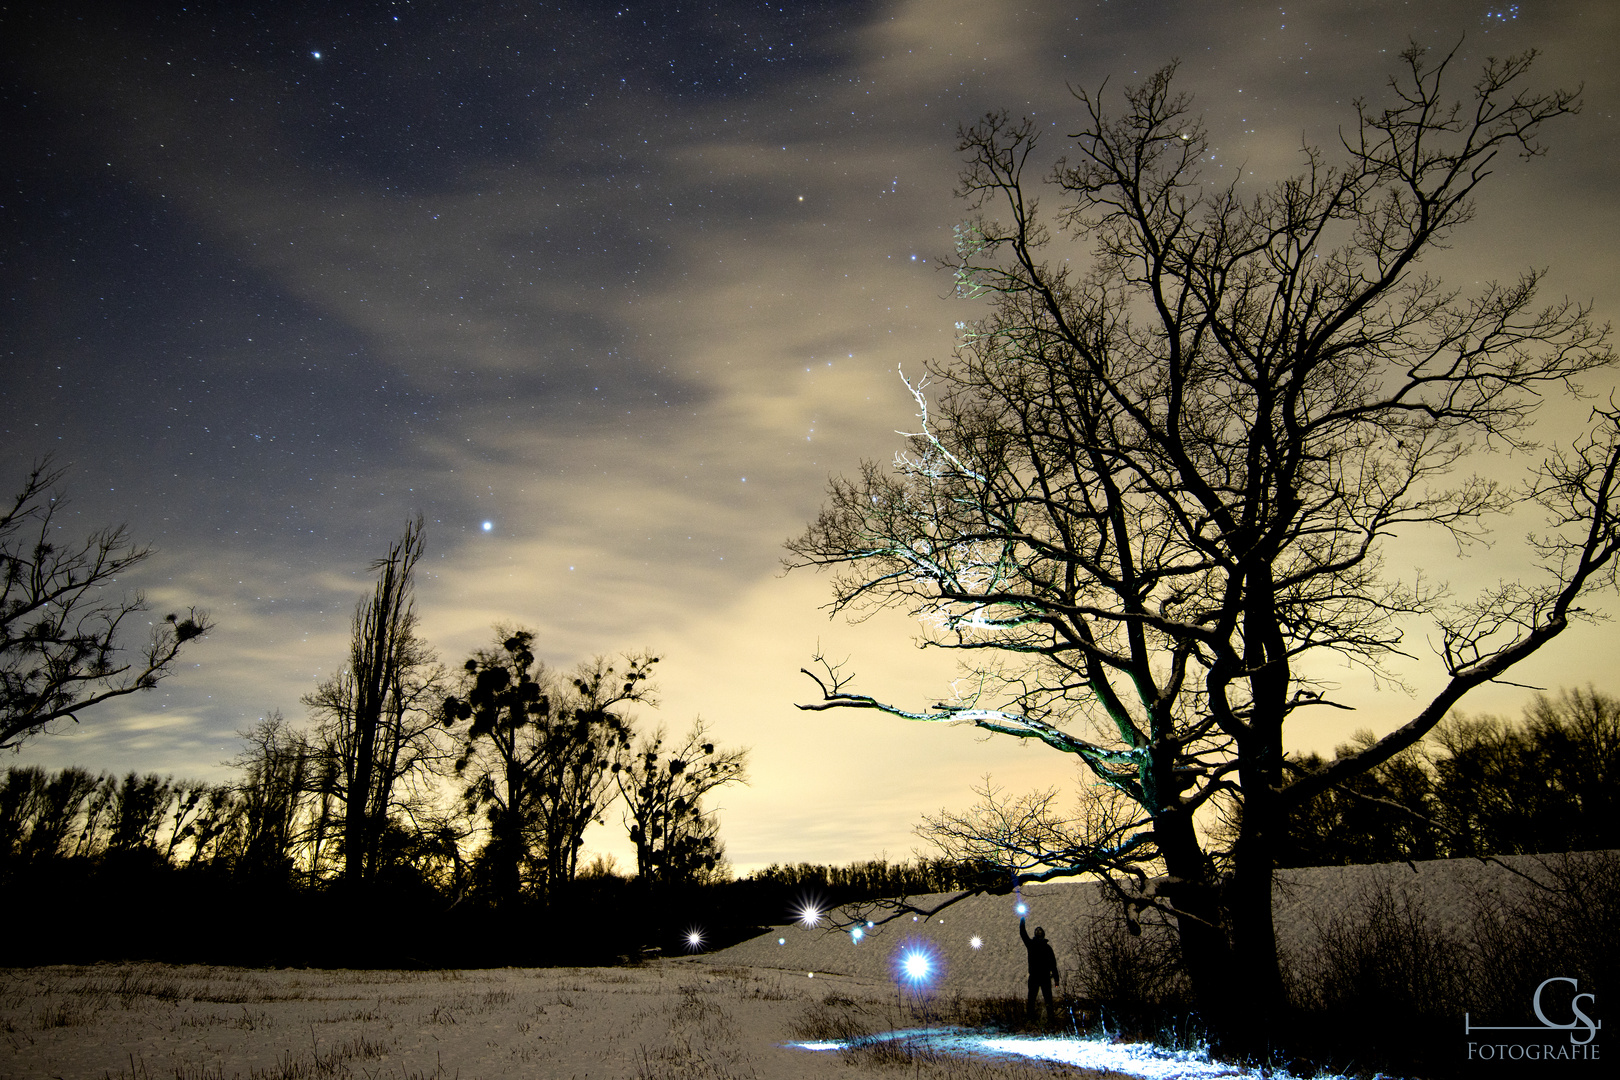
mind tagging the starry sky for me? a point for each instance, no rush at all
(626, 282)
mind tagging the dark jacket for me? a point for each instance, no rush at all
(1042, 960)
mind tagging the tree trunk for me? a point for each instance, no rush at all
(382, 627)
(1228, 943)
(1255, 979)
(1195, 892)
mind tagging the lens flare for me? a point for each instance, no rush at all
(694, 939)
(917, 964)
(856, 934)
(977, 942)
(809, 910)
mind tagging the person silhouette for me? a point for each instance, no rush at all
(1043, 969)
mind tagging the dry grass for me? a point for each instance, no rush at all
(724, 1021)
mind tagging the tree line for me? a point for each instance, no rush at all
(479, 784)
(149, 867)
(433, 787)
(1478, 786)
(414, 791)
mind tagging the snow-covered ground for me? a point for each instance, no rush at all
(678, 1019)
(972, 947)
(734, 1014)
(977, 952)
(670, 1019)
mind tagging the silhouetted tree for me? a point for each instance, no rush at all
(1155, 482)
(46, 816)
(138, 806)
(273, 795)
(1385, 814)
(1548, 784)
(1478, 786)
(537, 756)
(188, 804)
(53, 805)
(574, 782)
(377, 724)
(677, 840)
(215, 825)
(37, 811)
(60, 623)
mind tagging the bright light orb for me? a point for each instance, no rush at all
(488, 526)
(856, 934)
(977, 942)
(781, 941)
(694, 939)
(808, 915)
(1022, 908)
(916, 965)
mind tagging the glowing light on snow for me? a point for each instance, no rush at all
(694, 939)
(781, 941)
(808, 915)
(488, 525)
(1128, 1059)
(1022, 908)
(856, 934)
(916, 965)
(977, 942)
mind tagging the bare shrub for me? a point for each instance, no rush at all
(836, 1018)
(1129, 977)
(1385, 954)
(1385, 975)
(1567, 924)
(701, 1044)
(1382, 977)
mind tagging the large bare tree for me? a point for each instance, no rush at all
(1150, 493)
(61, 622)
(377, 716)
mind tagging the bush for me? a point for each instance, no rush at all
(1128, 976)
(1382, 980)
(1386, 986)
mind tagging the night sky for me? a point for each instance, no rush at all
(606, 292)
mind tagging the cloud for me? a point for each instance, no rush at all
(630, 303)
